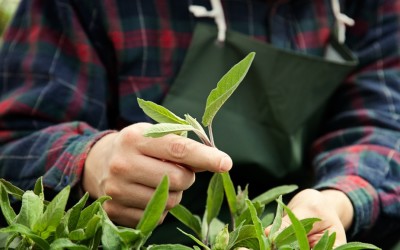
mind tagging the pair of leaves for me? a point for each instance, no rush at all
(171, 123)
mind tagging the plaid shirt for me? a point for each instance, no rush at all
(70, 70)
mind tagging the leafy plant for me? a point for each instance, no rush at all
(248, 220)
(46, 225)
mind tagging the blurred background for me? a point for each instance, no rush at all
(7, 9)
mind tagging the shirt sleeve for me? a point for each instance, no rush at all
(359, 152)
(52, 95)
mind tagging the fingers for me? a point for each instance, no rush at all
(126, 216)
(126, 211)
(312, 204)
(122, 194)
(128, 167)
(149, 172)
(187, 152)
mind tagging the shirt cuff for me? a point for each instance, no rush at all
(363, 196)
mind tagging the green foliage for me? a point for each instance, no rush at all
(225, 88)
(46, 225)
(247, 214)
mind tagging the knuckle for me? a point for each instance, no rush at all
(117, 166)
(173, 200)
(129, 135)
(181, 179)
(111, 190)
(179, 148)
(110, 209)
(162, 218)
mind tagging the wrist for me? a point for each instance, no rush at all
(341, 203)
(94, 165)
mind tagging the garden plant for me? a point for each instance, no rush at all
(42, 224)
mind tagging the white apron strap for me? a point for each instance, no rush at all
(216, 12)
(341, 21)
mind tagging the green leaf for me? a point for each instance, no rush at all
(331, 240)
(49, 220)
(246, 234)
(129, 235)
(159, 113)
(215, 227)
(276, 225)
(31, 209)
(221, 239)
(286, 247)
(233, 236)
(245, 216)
(11, 241)
(229, 192)
(288, 235)
(92, 226)
(161, 129)
(323, 242)
(299, 229)
(215, 196)
(62, 228)
(195, 239)
(38, 189)
(262, 240)
(5, 206)
(169, 247)
(77, 235)
(155, 208)
(64, 243)
(96, 240)
(267, 219)
(356, 246)
(110, 238)
(225, 87)
(273, 193)
(75, 212)
(187, 218)
(19, 228)
(87, 213)
(15, 191)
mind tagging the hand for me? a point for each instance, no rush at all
(128, 167)
(333, 207)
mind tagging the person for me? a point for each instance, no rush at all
(71, 72)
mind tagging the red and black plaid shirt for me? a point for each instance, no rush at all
(72, 69)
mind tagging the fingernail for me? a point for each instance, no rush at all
(225, 164)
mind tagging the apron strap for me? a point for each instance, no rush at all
(217, 13)
(341, 21)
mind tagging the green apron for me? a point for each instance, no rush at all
(269, 121)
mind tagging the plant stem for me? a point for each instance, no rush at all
(211, 135)
(207, 235)
(203, 137)
(233, 221)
